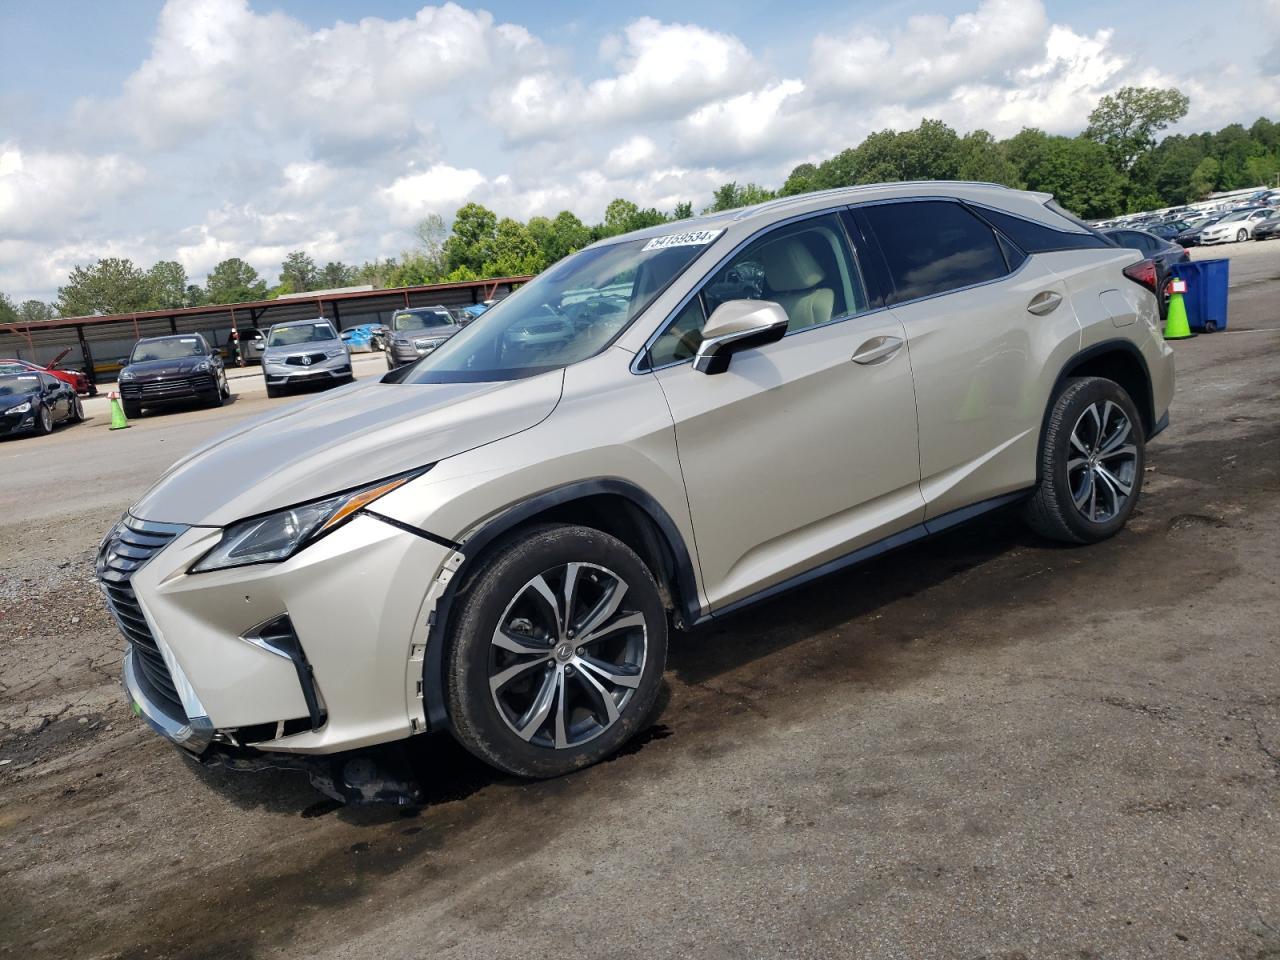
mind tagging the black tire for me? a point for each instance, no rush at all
(1052, 511)
(132, 409)
(215, 400)
(43, 421)
(225, 389)
(273, 392)
(502, 587)
(77, 411)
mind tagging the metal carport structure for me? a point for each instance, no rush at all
(99, 345)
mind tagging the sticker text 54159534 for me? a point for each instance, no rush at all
(690, 238)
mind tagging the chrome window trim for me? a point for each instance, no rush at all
(643, 353)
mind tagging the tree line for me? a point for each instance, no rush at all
(1118, 164)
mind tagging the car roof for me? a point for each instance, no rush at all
(301, 323)
(171, 336)
(1026, 203)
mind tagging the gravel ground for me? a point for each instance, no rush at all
(984, 746)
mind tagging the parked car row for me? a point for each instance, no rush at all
(35, 401)
(78, 381)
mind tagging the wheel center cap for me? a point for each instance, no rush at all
(564, 652)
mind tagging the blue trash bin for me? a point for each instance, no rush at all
(1206, 296)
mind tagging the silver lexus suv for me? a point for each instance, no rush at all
(657, 431)
(304, 351)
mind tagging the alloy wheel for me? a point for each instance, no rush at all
(567, 656)
(1104, 461)
(46, 419)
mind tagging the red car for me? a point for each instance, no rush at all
(77, 379)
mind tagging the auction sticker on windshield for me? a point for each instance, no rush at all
(691, 238)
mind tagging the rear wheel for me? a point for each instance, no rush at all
(1091, 461)
(556, 655)
(77, 410)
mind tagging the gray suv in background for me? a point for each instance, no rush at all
(304, 351)
(416, 332)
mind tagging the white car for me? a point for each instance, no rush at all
(1234, 227)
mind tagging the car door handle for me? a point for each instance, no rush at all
(877, 349)
(1044, 302)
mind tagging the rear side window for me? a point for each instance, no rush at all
(934, 246)
(1037, 237)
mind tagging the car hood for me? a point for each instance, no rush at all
(164, 368)
(342, 439)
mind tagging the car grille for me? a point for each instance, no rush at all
(305, 360)
(168, 389)
(129, 545)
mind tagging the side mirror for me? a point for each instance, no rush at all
(738, 325)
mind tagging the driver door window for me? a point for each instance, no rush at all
(806, 267)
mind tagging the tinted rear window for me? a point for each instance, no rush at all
(933, 246)
(1036, 237)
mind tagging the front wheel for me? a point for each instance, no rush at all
(1242, 236)
(44, 420)
(556, 655)
(273, 392)
(1091, 461)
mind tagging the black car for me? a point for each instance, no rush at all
(1168, 229)
(33, 402)
(1268, 229)
(1162, 252)
(1190, 237)
(165, 369)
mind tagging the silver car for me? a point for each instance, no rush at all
(417, 331)
(653, 433)
(304, 351)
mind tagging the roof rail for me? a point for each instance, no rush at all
(778, 202)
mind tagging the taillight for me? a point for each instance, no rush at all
(1144, 274)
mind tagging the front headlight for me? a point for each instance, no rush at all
(125, 374)
(204, 366)
(278, 536)
(401, 341)
(24, 407)
(334, 353)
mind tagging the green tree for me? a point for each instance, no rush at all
(376, 272)
(298, 272)
(802, 179)
(557, 238)
(515, 252)
(623, 216)
(1126, 122)
(730, 196)
(234, 281)
(194, 296)
(432, 233)
(470, 244)
(1204, 179)
(166, 285)
(982, 158)
(682, 211)
(335, 274)
(110, 285)
(7, 312)
(36, 311)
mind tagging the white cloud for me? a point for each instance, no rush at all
(930, 54)
(634, 153)
(440, 189)
(660, 69)
(46, 193)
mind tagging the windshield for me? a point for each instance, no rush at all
(415, 320)
(571, 311)
(17, 384)
(171, 349)
(301, 333)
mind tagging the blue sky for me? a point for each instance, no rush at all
(201, 129)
